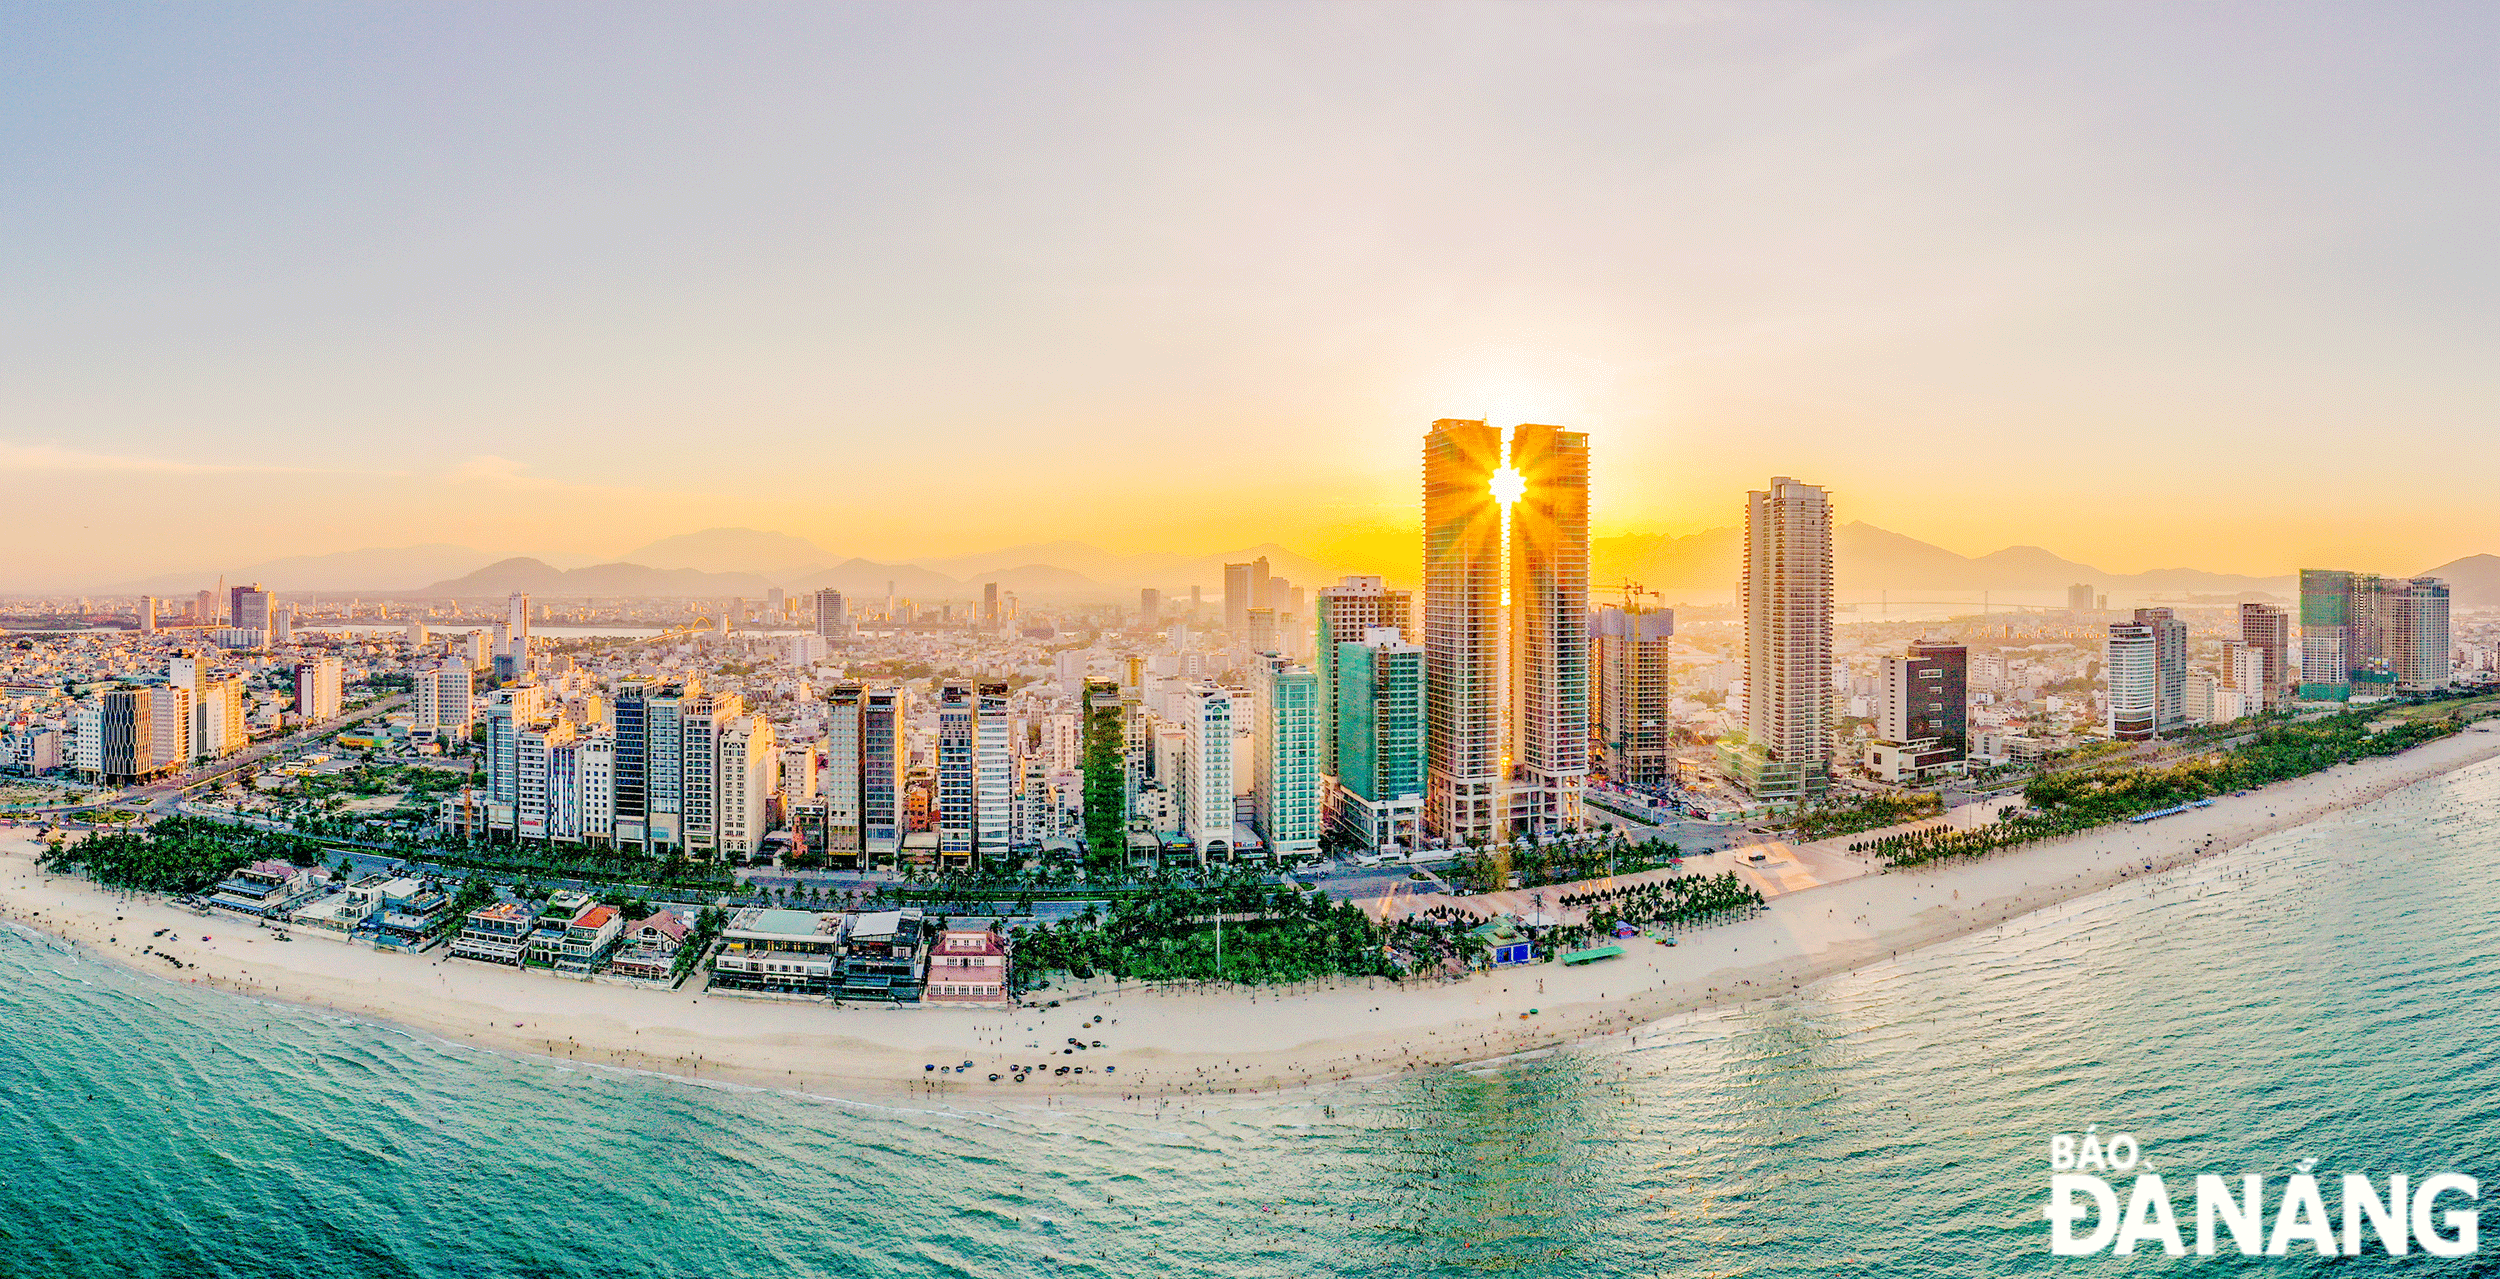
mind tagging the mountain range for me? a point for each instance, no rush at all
(746, 562)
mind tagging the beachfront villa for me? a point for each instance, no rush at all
(264, 890)
(780, 952)
(650, 946)
(881, 956)
(345, 910)
(967, 966)
(572, 934)
(496, 934)
(409, 910)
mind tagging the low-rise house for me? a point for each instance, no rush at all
(967, 966)
(881, 956)
(496, 934)
(588, 940)
(553, 926)
(266, 890)
(347, 909)
(649, 948)
(781, 952)
(410, 911)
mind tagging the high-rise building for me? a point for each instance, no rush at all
(746, 759)
(1242, 584)
(2169, 668)
(1784, 750)
(477, 651)
(994, 784)
(1204, 787)
(510, 711)
(958, 772)
(1260, 632)
(2267, 629)
(443, 698)
(217, 727)
(545, 791)
(1635, 731)
(2133, 671)
(1462, 632)
(317, 689)
(254, 609)
(702, 721)
(990, 616)
(517, 625)
(2413, 623)
(1922, 714)
(1549, 638)
(1149, 607)
(629, 715)
(1379, 731)
(142, 733)
(2326, 647)
(664, 756)
(2079, 598)
(841, 779)
(147, 615)
(832, 622)
(883, 759)
(1347, 613)
(1285, 768)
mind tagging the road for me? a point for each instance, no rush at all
(164, 795)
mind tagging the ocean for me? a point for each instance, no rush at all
(2330, 993)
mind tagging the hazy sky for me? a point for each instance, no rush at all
(2148, 284)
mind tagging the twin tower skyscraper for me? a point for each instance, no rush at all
(1506, 633)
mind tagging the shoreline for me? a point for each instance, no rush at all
(1174, 1041)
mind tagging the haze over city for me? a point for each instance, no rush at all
(2151, 287)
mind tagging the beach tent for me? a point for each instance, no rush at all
(1592, 955)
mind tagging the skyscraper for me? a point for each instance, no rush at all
(1784, 750)
(2169, 668)
(1149, 607)
(994, 784)
(253, 609)
(1462, 632)
(831, 620)
(958, 774)
(2079, 598)
(1347, 613)
(2413, 622)
(147, 615)
(2325, 635)
(2268, 630)
(1922, 717)
(1244, 584)
(1379, 739)
(1635, 731)
(1285, 743)
(1549, 642)
(317, 689)
(2134, 675)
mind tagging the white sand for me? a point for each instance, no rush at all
(1185, 1040)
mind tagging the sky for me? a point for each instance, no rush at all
(2151, 285)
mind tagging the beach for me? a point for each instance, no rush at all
(1165, 1041)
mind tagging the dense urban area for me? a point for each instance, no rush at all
(829, 794)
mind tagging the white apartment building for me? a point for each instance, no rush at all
(1203, 789)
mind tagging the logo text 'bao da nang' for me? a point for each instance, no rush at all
(2406, 1216)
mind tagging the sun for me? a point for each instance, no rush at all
(1508, 484)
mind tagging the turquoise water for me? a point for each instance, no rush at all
(2330, 993)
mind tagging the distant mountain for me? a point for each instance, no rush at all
(734, 550)
(2473, 582)
(1106, 574)
(541, 578)
(869, 580)
(1867, 558)
(398, 568)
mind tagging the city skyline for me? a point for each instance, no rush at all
(488, 318)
